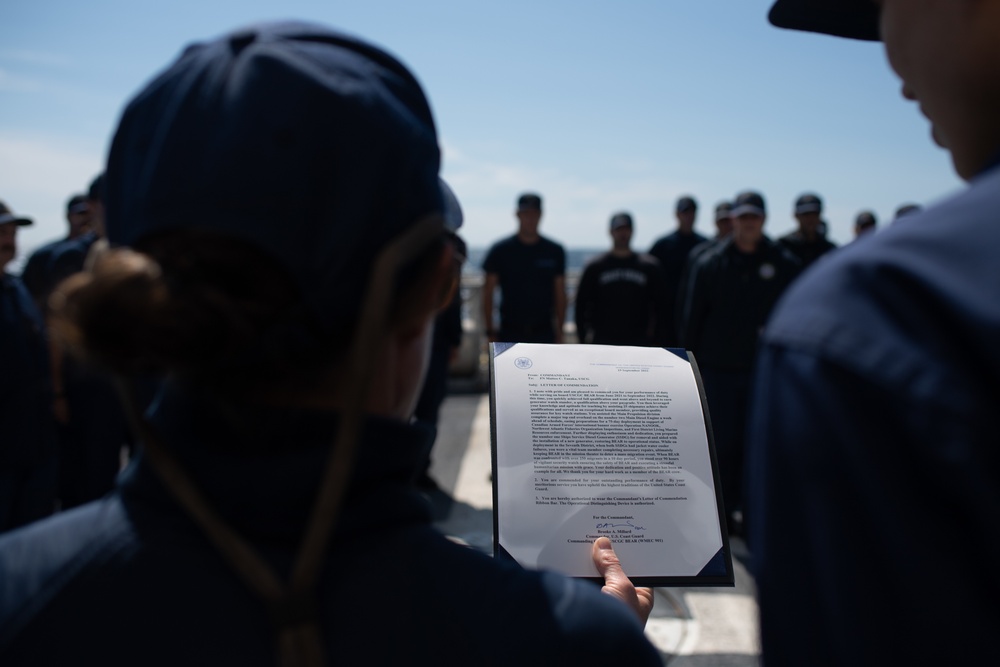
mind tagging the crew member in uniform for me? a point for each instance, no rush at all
(530, 271)
(864, 223)
(874, 450)
(283, 278)
(36, 274)
(27, 430)
(731, 290)
(620, 299)
(672, 251)
(809, 241)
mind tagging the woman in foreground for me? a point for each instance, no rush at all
(280, 249)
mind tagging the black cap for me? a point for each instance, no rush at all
(7, 216)
(865, 219)
(857, 19)
(686, 203)
(749, 202)
(312, 145)
(808, 203)
(621, 220)
(77, 204)
(529, 201)
(723, 210)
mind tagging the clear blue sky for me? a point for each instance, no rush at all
(599, 106)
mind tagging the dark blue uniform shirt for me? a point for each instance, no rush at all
(874, 448)
(130, 580)
(27, 430)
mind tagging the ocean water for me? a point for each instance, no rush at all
(576, 259)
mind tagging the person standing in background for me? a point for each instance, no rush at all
(671, 251)
(530, 271)
(36, 274)
(809, 241)
(27, 430)
(865, 223)
(731, 290)
(620, 299)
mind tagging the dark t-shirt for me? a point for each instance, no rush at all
(620, 300)
(526, 277)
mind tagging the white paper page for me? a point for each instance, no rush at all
(600, 440)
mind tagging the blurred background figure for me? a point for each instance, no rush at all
(27, 435)
(672, 251)
(93, 428)
(731, 289)
(620, 299)
(809, 241)
(530, 271)
(37, 273)
(864, 223)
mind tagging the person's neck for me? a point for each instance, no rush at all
(746, 246)
(527, 238)
(621, 252)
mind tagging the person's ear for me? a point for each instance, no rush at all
(441, 283)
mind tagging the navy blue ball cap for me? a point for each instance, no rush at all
(7, 216)
(857, 19)
(619, 220)
(686, 203)
(808, 203)
(313, 145)
(749, 203)
(865, 219)
(529, 201)
(723, 210)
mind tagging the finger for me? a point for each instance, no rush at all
(617, 583)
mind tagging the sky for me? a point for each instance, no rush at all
(598, 106)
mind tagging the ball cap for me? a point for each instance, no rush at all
(857, 19)
(723, 210)
(749, 203)
(7, 216)
(619, 220)
(529, 201)
(77, 204)
(865, 219)
(686, 203)
(808, 203)
(315, 146)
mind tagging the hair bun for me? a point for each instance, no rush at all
(119, 314)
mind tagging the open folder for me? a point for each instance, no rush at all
(592, 440)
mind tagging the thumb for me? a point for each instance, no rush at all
(617, 583)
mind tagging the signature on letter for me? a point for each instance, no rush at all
(627, 524)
